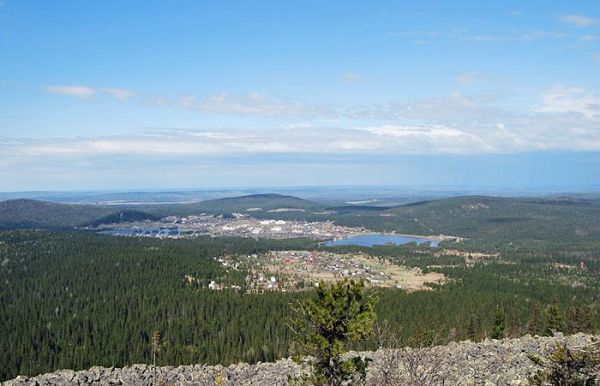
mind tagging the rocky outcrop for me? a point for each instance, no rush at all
(491, 362)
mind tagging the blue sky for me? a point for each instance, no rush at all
(193, 94)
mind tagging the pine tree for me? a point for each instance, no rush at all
(554, 318)
(566, 366)
(499, 324)
(472, 328)
(535, 326)
(579, 319)
(341, 313)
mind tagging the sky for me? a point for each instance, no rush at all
(197, 94)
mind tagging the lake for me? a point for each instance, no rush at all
(372, 239)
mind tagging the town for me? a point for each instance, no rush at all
(289, 271)
(238, 224)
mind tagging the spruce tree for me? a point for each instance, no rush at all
(535, 326)
(499, 324)
(341, 313)
(472, 328)
(579, 319)
(554, 318)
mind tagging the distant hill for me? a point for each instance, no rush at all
(25, 213)
(494, 221)
(490, 218)
(41, 214)
(255, 204)
(20, 214)
(123, 216)
(357, 208)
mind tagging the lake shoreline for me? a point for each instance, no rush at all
(371, 239)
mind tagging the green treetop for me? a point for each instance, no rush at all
(339, 314)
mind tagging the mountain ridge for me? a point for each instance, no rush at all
(498, 220)
(27, 213)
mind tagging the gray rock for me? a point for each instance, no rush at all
(491, 362)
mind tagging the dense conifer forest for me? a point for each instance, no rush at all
(78, 299)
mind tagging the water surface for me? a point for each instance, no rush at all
(372, 239)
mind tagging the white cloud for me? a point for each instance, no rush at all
(197, 143)
(564, 117)
(467, 78)
(589, 38)
(429, 138)
(570, 100)
(74, 91)
(514, 134)
(252, 103)
(414, 131)
(510, 35)
(487, 38)
(580, 21)
(454, 108)
(118, 93)
(86, 92)
(541, 34)
(351, 77)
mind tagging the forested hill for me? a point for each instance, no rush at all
(504, 220)
(496, 221)
(123, 216)
(489, 220)
(15, 214)
(253, 204)
(32, 214)
(24, 213)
